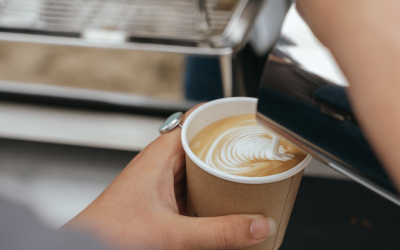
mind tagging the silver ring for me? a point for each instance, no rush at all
(171, 122)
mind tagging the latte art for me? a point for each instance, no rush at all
(238, 145)
(236, 150)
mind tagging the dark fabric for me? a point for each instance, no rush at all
(203, 75)
(334, 95)
(335, 214)
(20, 230)
(203, 79)
(252, 67)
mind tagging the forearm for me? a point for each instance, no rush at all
(364, 39)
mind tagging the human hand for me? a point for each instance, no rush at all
(145, 208)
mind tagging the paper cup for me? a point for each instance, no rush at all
(211, 192)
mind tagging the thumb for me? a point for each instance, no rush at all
(226, 232)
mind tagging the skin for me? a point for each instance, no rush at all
(145, 207)
(362, 36)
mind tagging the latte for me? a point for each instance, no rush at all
(239, 146)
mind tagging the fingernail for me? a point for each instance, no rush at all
(262, 228)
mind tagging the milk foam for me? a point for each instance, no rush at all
(236, 150)
(239, 145)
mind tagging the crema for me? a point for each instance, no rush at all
(239, 146)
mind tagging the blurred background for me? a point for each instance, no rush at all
(151, 74)
(75, 109)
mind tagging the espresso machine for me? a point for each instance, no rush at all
(302, 94)
(302, 97)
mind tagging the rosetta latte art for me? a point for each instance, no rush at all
(239, 149)
(239, 146)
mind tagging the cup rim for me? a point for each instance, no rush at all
(226, 176)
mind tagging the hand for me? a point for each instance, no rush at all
(145, 208)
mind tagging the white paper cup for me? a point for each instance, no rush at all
(212, 192)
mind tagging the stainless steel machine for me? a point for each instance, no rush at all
(216, 28)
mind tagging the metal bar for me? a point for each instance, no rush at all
(152, 19)
(226, 74)
(161, 21)
(205, 51)
(201, 15)
(90, 99)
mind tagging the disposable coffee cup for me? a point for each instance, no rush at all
(212, 192)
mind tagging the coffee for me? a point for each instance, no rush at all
(239, 146)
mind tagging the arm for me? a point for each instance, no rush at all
(144, 208)
(364, 38)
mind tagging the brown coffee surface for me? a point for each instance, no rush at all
(239, 145)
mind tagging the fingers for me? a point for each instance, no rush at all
(164, 154)
(172, 140)
(191, 110)
(226, 232)
(176, 133)
(169, 146)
